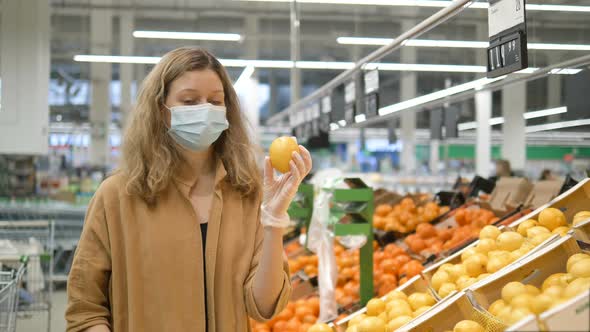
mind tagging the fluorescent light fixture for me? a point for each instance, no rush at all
(117, 59)
(454, 43)
(360, 118)
(244, 76)
(527, 116)
(318, 65)
(562, 47)
(558, 8)
(557, 125)
(547, 112)
(436, 95)
(434, 4)
(426, 67)
(324, 65)
(565, 71)
(187, 35)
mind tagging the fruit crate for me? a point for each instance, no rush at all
(570, 202)
(445, 314)
(415, 284)
(573, 315)
(456, 259)
(532, 270)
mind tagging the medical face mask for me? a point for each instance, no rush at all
(196, 127)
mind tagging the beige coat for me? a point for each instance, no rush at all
(140, 269)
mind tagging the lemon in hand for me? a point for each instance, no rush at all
(280, 152)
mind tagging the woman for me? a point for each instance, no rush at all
(184, 237)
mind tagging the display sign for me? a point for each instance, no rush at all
(325, 113)
(507, 52)
(349, 102)
(350, 92)
(436, 121)
(371, 81)
(326, 104)
(451, 117)
(315, 120)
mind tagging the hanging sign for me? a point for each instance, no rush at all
(325, 113)
(371, 93)
(508, 51)
(349, 101)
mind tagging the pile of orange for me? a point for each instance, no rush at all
(307, 263)
(429, 240)
(298, 316)
(405, 216)
(392, 266)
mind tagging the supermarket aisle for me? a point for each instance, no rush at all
(37, 323)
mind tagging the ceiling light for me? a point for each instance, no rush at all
(435, 4)
(436, 95)
(557, 125)
(117, 59)
(547, 112)
(375, 41)
(187, 35)
(324, 65)
(244, 76)
(528, 115)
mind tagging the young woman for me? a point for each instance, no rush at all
(186, 236)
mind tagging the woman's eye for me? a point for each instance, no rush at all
(188, 102)
(216, 102)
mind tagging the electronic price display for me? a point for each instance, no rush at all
(371, 93)
(349, 102)
(326, 110)
(508, 51)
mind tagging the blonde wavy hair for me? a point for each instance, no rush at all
(150, 157)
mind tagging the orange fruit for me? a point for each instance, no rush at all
(280, 152)
(302, 311)
(320, 328)
(293, 325)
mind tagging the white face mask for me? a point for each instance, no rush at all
(196, 127)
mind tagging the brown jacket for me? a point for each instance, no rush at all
(140, 269)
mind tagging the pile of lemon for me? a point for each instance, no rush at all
(496, 250)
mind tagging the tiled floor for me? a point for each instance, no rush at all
(38, 322)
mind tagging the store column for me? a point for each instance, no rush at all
(126, 69)
(249, 89)
(554, 85)
(513, 129)
(100, 79)
(483, 144)
(408, 84)
(24, 76)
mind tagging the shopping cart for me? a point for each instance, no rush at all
(10, 282)
(35, 239)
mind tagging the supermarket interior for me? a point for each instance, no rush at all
(446, 186)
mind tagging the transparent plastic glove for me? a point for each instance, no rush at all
(280, 191)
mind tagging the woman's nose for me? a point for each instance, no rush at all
(202, 101)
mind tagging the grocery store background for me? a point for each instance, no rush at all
(70, 71)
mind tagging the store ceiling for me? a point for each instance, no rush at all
(320, 26)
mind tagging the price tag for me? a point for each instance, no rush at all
(326, 104)
(315, 111)
(371, 104)
(508, 51)
(371, 81)
(349, 113)
(350, 92)
(308, 114)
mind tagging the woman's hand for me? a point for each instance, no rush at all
(280, 191)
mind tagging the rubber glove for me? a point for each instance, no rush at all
(280, 191)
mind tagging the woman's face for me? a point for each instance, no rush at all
(193, 88)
